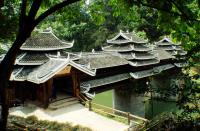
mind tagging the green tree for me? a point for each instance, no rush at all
(29, 17)
(178, 18)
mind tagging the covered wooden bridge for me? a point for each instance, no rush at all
(43, 69)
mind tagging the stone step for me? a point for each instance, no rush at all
(63, 100)
(63, 103)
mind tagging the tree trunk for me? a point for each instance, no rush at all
(26, 26)
(6, 68)
(1, 3)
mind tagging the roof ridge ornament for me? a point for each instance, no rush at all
(18, 59)
(132, 47)
(131, 38)
(58, 54)
(133, 55)
(89, 65)
(93, 51)
(81, 53)
(12, 76)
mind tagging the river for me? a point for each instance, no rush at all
(151, 108)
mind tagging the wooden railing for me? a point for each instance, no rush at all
(83, 99)
(113, 112)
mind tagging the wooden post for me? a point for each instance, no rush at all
(74, 82)
(90, 105)
(45, 97)
(128, 117)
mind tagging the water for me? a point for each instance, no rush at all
(146, 108)
(105, 98)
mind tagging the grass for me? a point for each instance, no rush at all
(32, 123)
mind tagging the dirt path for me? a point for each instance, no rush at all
(75, 114)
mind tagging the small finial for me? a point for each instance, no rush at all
(120, 31)
(93, 51)
(58, 54)
(88, 66)
(127, 31)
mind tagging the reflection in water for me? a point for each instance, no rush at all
(135, 104)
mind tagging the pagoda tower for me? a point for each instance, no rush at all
(174, 49)
(38, 50)
(132, 48)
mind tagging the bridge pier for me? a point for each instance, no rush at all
(162, 83)
(127, 100)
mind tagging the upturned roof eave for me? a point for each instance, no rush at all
(44, 48)
(29, 63)
(144, 64)
(106, 83)
(151, 72)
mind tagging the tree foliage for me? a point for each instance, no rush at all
(178, 18)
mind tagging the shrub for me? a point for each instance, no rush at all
(32, 123)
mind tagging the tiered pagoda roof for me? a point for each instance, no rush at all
(174, 49)
(45, 41)
(132, 48)
(42, 56)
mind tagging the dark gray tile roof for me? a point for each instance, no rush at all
(182, 52)
(164, 42)
(143, 62)
(172, 52)
(163, 55)
(45, 41)
(127, 48)
(140, 47)
(167, 45)
(136, 55)
(151, 72)
(144, 56)
(117, 41)
(106, 80)
(44, 72)
(117, 48)
(126, 55)
(165, 48)
(23, 74)
(32, 58)
(137, 51)
(178, 47)
(181, 64)
(101, 60)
